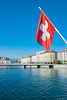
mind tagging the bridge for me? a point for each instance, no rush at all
(27, 64)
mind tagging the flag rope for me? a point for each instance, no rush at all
(55, 28)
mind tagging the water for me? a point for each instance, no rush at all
(33, 84)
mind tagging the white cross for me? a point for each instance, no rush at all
(43, 28)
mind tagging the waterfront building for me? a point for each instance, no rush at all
(62, 55)
(26, 59)
(33, 58)
(3, 61)
(65, 54)
(44, 57)
(40, 57)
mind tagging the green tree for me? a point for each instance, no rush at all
(56, 61)
(19, 61)
(6, 58)
(13, 61)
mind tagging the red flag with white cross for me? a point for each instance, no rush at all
(45, 32)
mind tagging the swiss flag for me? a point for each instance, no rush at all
(45, 31)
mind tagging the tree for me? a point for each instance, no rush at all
(19, 61)
(56, 61)
(6, 58)
(13, 61)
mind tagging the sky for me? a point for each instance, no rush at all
(19, 21)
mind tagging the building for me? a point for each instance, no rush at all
(62, 55)
(27, 59)
(45, 57)
(3, 61)
(40, 57)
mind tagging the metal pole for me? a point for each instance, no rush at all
(61, 35)
(57, 31)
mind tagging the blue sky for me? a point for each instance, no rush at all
(19, 21)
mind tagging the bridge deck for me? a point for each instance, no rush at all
(20, 64)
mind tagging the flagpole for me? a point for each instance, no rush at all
(60, 35)
(57, 31)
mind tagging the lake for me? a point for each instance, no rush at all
(33, 83)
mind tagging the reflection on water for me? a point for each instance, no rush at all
(43, 83)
